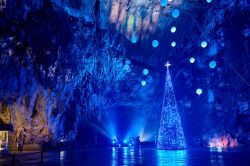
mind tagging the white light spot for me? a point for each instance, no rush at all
(192, 60)
(143, 83)
(173, 29)
(203, 44)
(145, 72)
(199, 91)
(173, 44)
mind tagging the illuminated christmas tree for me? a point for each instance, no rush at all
(171, 134)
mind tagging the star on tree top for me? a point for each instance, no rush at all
(167, 64)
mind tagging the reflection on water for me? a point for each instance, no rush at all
(126, 155)
(216, 158)
(114, 156)
(62, 154)
(135, 156)
(171, 158)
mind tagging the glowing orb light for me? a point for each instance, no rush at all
(199, 91)
(133, 39)
(175, 13)
(145, 72)
(192, 60)
(212, 64)
(164, 3)
(209, 1)
(173, 44)
(143, 83)
(155, 43)
(173, 29)
(204, 44)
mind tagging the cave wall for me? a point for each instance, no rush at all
(64, 61)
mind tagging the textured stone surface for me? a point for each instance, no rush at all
(66, 60)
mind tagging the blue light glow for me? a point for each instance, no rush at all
(133, 39)
(164, 3)
(126, 67)
(203, 44)
(145, 72)
(219, 149)
(171, 135)
(209, 1)
(210, 96)
(143, 83)
(215, 149)
(125, 141)
(199, 91)
(175, 13)
(155, 43)
(173, 29)
(212, 64)
(171, 157)
(173, 44)
(192, 60)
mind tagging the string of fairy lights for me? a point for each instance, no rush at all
(175, 13)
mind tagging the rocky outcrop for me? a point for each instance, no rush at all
(61, 61)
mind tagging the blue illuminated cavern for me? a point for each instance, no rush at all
(124, 82)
